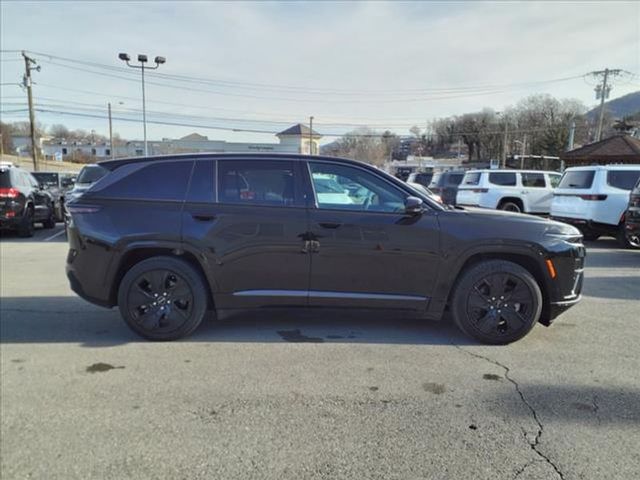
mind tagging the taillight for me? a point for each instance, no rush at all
(480, 190)
(9, 193)
(593, 197)
(75, 209)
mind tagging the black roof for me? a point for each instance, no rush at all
(299, 129)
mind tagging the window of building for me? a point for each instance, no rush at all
(64, 151)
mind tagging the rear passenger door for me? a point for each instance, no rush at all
(248, 220)
(538, 194)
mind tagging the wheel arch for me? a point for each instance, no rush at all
(517, 200)
(524, 256)
(137, 253)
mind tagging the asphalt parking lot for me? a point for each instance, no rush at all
(314, 394)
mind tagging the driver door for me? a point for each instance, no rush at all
(367, 252)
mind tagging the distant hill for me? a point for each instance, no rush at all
(620, 107)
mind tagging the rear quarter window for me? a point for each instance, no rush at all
(505, 179)
(623, 179)
(154, 181)
(472, 178)
(455, 178)
(577, 179)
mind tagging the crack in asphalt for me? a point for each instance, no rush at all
(536, 440)
(524, 467)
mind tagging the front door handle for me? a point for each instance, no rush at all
(203, 217)
(331, 225)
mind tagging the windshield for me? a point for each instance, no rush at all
(91, 173)
(46, 179)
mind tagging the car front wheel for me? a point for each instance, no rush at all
(496, 302)
(162, 298)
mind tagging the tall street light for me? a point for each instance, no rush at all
(142, 59)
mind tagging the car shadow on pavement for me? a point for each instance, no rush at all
(599, 257)
(72, 320)
(587, 404)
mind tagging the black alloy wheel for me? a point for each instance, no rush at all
(510, 207)
(497, 302)
(162, 298)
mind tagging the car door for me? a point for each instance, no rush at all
(248, 220)
(366, 251)
(538, 194)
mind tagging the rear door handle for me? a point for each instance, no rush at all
(203, 217)
(330, 224)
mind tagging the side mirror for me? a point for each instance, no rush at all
(413, 205)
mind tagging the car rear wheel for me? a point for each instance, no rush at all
(510, 207)
(50, 221)
(496, 302)
(162, 298)
(25, 229)
(625, 240)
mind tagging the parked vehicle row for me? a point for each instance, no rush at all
(168, 238)
(57, 184)
(632, 217)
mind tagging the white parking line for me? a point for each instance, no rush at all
(54, 235)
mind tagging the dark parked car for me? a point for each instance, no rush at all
(446, 185)
(57, 184)
(632, 218)
(23, 202)
(168, 238)
(423, 178)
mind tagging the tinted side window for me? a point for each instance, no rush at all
(338, 187)
(506, 179)
(624, 179)
(535, 180)
(203, 181)
(455, 178)
(256, 182)
(471, 178)
(577, 179)
(154, 181)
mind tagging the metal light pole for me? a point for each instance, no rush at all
(311, 135)
(110, 132)
(143, 59)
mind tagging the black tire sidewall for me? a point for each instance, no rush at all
(503, 206)
(26, 228)
(474, 274)
(180, 267)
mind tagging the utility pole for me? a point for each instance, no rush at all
(30, 64)
(311, 135)
(524, 149)
(504, 142)
(110, 132)
(572, 134)
(602, 93)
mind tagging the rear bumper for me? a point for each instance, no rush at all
(75, 285)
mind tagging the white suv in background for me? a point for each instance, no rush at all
(595, 198)
(529, 191)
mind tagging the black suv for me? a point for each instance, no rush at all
(632, 217)
(23, 201)
(168, 238)
(446, 185)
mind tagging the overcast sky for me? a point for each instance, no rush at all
(383, 64)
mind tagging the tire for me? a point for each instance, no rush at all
(50, 221)
(25, 230)
(510, 206)
(480, 311)
(162, 298)
(590, 236)
(623, 239)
